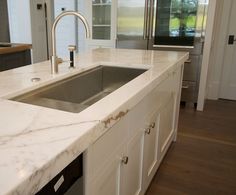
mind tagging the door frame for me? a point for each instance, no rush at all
(36, 57)
(218, 47)
(206, 54)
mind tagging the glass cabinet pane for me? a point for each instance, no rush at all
(176, 22)
(101, 27)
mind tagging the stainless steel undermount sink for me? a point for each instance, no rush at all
(78, 92)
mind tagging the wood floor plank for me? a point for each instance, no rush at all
(207, 139)
(218, 121)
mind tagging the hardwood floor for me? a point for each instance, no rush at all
(203, 160)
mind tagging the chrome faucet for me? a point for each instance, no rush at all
(55, 59)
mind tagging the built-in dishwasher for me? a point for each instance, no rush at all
(68, 182)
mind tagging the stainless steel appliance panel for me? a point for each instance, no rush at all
(189, 92)
(191, 68)
(178, 21)
(132, 24)
(65, 182)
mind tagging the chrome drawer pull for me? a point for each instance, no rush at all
(153, 125)
(125, 160)
(148, 131)
(185, 86)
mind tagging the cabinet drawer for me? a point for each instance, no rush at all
(189, 92)
(191, 69)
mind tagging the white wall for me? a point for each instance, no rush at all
(66, 28)
(39, 33)
(27, 25)
(81, 30)
(216, 61)
(50, 17)
(19, 21)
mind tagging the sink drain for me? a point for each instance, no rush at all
(36, 79)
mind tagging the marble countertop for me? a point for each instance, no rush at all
(6, 48)
(36, 143)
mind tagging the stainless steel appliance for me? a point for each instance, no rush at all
(177, 25)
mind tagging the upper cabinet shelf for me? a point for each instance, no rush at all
(101, 4)
(101, 25)
(101, 1)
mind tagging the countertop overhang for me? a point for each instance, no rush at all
(6, 48)
(36, 143)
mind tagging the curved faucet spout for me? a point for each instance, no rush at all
(54, 62)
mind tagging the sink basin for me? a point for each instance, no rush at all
(76, 93)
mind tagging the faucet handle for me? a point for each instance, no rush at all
(71, 48)
(59, 60)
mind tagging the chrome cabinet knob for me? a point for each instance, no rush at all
(153, 125)
(148, 130)
(125, 160)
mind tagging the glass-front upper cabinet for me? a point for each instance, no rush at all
(101, 19)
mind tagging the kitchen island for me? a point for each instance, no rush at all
(36, 142)
(13, 55)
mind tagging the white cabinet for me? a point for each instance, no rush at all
(103, 161)
(108, 180)
(132, 171)
(166, 128)
(125, 159)
(150, 157)
(169, 112)
(114, 162)
(101, 16)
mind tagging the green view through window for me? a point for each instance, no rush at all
(176, 22)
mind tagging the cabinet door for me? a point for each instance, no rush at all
(107, 182)
(132, 170)
(102, 161)
(166, 130)
(150, 155)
